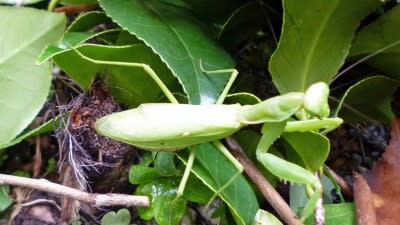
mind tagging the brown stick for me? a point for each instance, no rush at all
(345, 187)
(71, 9)
(269, 192)
(319, 211)
(92, 198)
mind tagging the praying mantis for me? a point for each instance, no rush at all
(173, 126)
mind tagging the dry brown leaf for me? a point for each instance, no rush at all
(384, 184)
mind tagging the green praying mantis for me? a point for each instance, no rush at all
(173, 126)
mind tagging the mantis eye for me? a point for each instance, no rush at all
(316, 99)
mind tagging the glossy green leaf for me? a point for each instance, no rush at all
(180, 42)
(87, 21)
(128, 85)
(165, 208)
(313, 148)
(5, 200)
(164, 164)
(239, 195)
(335, 214)
(122, 217)
(24, 86)
(315, 40)
(380, 34)
(139, 174)
(369, 100)
(44, 128)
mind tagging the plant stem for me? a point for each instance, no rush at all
(97, 200)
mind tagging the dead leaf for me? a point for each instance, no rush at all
(384, 184)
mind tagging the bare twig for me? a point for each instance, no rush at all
(319, 211)
(96, 200)
(345, 187)
(71, 9)
(269, 192)
(38, 158)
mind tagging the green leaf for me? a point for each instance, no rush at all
(165, 207)
(87, 21)
(128, 85)
(164, 164)
(299, 197)
(139, 174)
(218, 13)
(122, 217)
(368, 100)
(335, 214)
(16, 2)
(242, 98)
(44, 128)
(77, 33)
(265, 218)
(180, 42)
(5, 200)
(246, 21)
(313, 148)
(196, 191)
(70, 39)
(215, 170)
(315, 40)
(24, 86)
(381, 33)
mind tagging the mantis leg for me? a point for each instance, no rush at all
(232, 159)
(286, 170)
(218, 144)
(145, 67)
(186, 174)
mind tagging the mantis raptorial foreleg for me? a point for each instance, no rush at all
(289, 171)
(284, 169)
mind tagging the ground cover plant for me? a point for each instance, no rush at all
(197, 112)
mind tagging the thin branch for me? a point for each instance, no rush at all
(319, 211)
(92, 198)
(269, 192)
(345, 187)
(71, 9)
